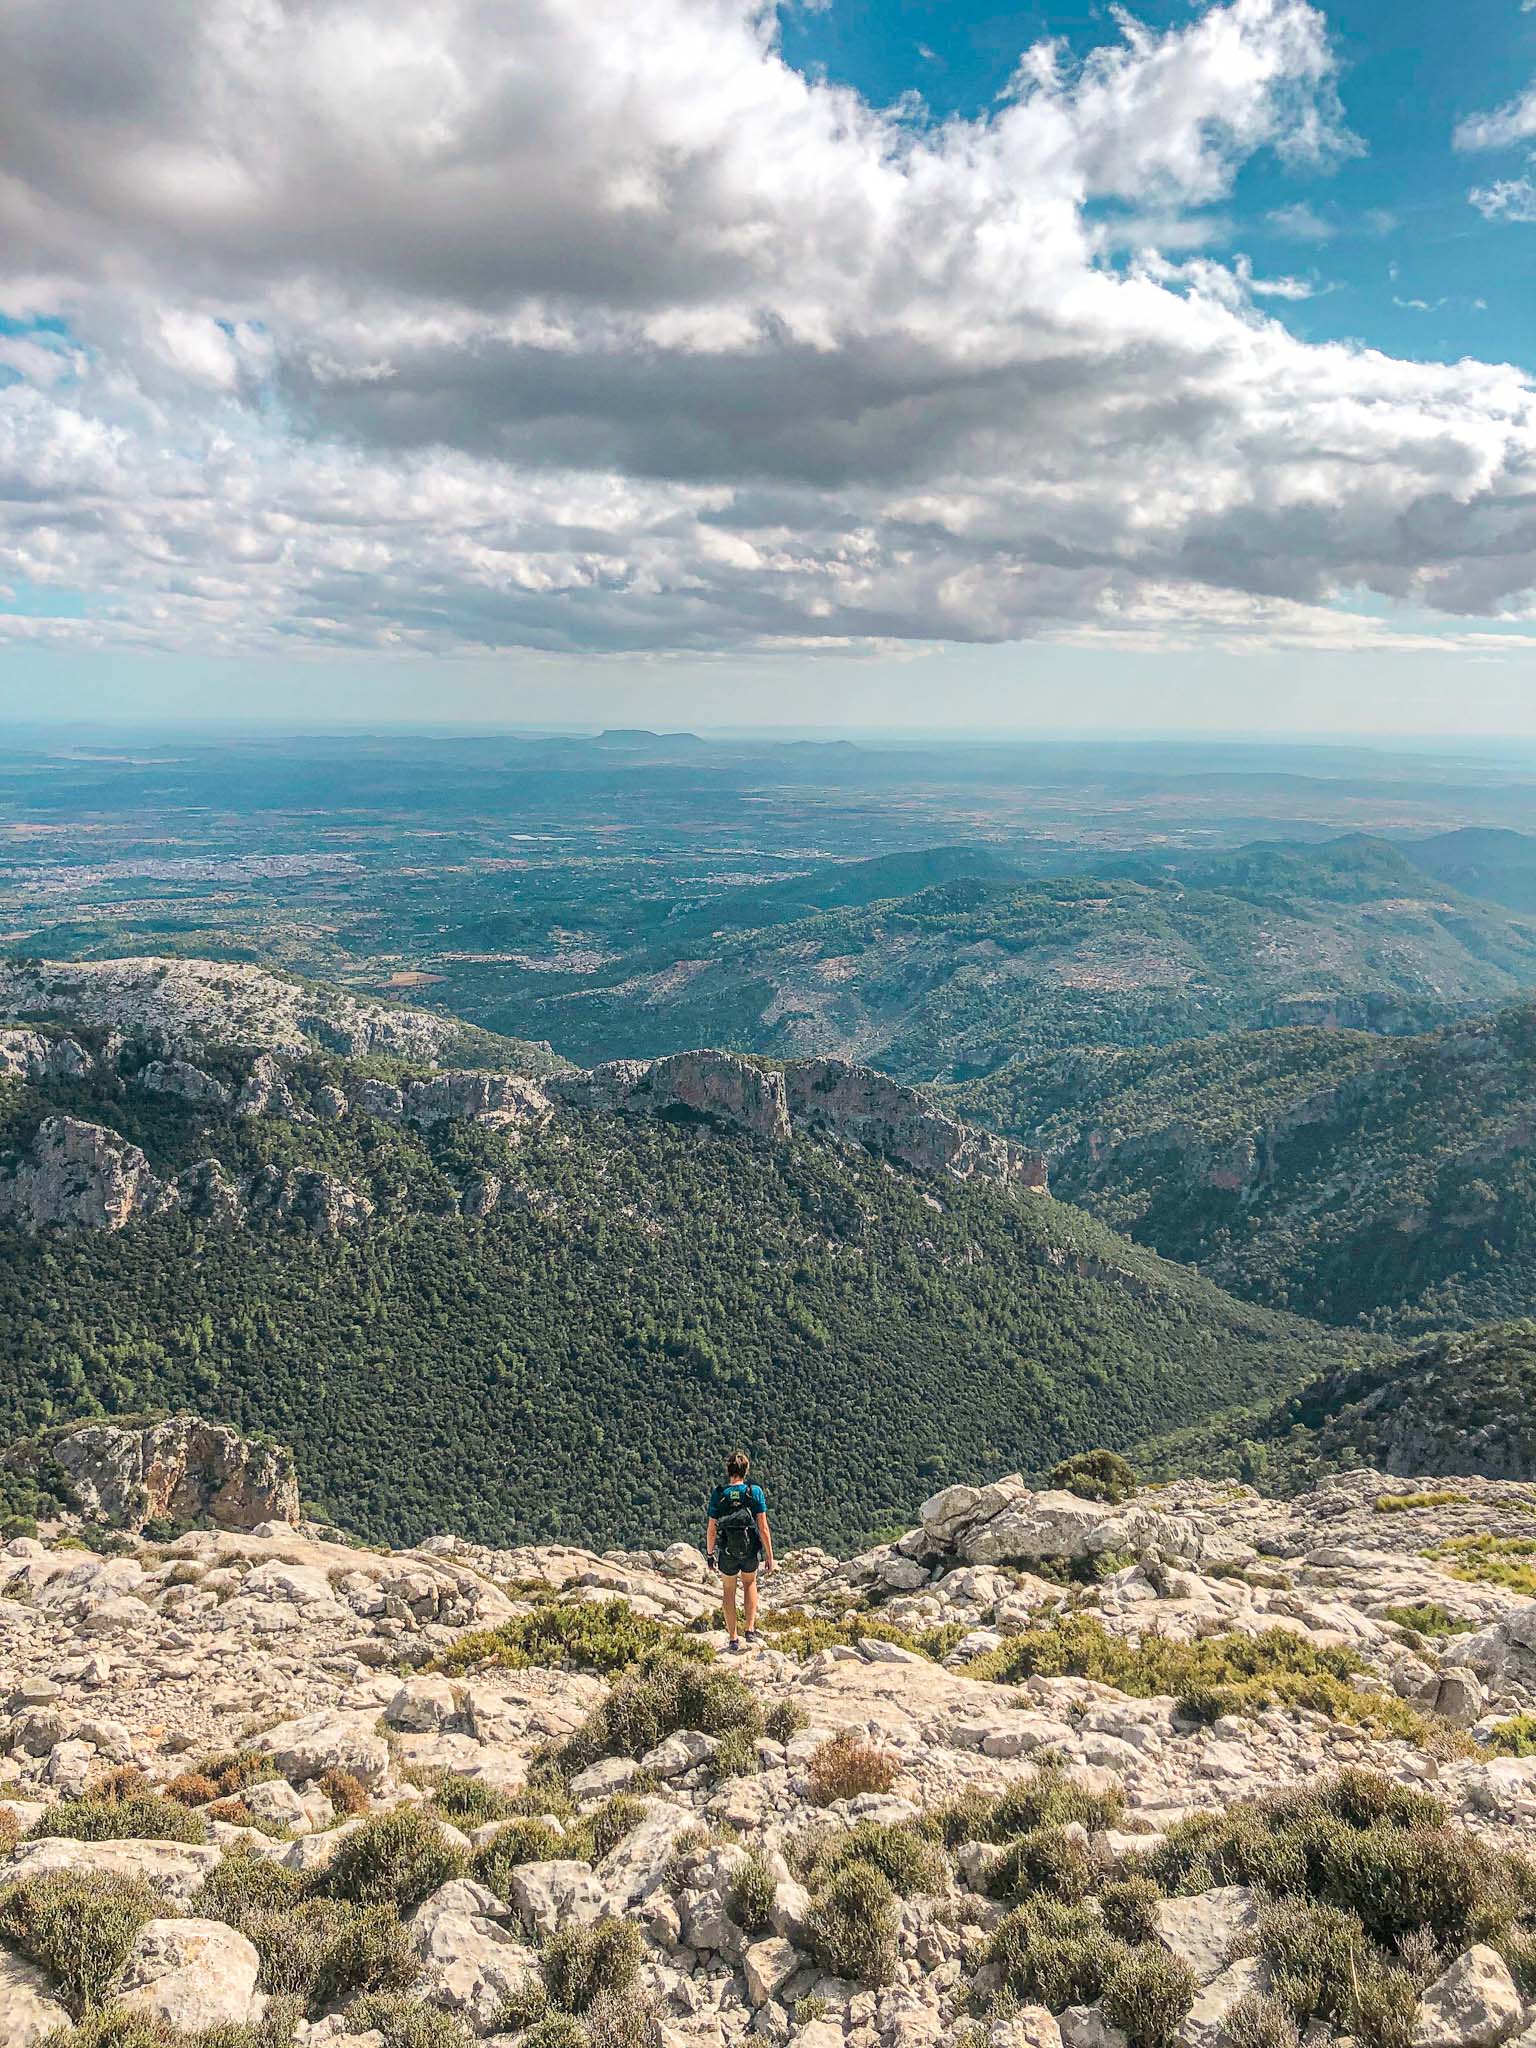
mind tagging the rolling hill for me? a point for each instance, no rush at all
(1343, 1175)
(957, 978)
(542, 1306)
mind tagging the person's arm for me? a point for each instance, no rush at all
(710, 1542)
(765, 1537)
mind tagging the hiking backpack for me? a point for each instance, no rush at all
(736, 1531)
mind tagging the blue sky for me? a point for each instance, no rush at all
(881, 361)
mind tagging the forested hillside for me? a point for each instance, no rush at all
(640, 1293)
(958, 978)
(1343, 1175)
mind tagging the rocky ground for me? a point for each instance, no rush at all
(806, 1840)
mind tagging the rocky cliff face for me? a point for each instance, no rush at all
(834, 1098)
(180, 1470)
(31, 1056)
(718, 1085)
(82, 1175)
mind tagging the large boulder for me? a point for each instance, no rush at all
(174, 1870)
(190, 1974)
(182, 1469)
(317, 1743)
(1203, 1927)
(471, 1963)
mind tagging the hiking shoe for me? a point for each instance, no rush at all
(733, 1647)
(755, 1638)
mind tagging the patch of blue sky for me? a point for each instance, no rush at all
(1392, 251)
(20, 599)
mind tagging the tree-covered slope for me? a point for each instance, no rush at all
(644, 1294)
(960, 977)
(1343, 1175)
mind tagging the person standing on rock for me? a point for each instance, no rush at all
(737, 1542)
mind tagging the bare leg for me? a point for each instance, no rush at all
(750, 1596)
(728, 1602)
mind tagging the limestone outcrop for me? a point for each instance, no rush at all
(180, 1470)
(81, 1175)
(835, 1098)
(721, 1086)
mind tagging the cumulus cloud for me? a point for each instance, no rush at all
(464, 324)
(1513, 122)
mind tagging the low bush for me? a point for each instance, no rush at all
(78, 1927)
(602, 1636)
(909, 1860)
(1429, 1618)
(141, 1816)
(1514, 1737)
(579, 1962)
(221, 1776)
(851, 1925)
(397, 1858)
(10, 1831)
(734, 1756)
(608, 1824)
(554, 2030)
(1050, 1798)
(114, 2027)
(1221, 1674)
(1054, 1954)
(1129, 1906)
(750, 1900)
(1095, 1475)
(783, 1722)
(345, 1790)
(1508, 1561)
(1046, 1861)
(406, 2022)
(468, 1802)
(321, 1951)
(1260, 2021)
(242, 1884)
(1147, 1994)
(847, 1767)
(622, 2019)
(799, 1634)
(670, 1691)
(521, 1841)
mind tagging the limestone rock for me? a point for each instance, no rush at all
(1474, 2005)
(1202, 1927)
(29, 2012)
(718, 1085)
(190, 1973)
(317, 1743)
(767, 1967)
(471, 1962)
(836, 1098)
(84, 1176)
(1205, 2023)
(181, 1078)
(182, 1469)
(173, 1869)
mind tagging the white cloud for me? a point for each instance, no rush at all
(1514, 122)
(591, 325)
(1300, 223)
(1512, 199)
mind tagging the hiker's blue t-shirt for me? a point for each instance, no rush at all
(717, 1499)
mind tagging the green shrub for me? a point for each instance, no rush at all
(1316, 1953)
(1429, 1618)
(78, 1927)
(810, 2008)
(851, 1925)
(242, 1884)
(555, 2030)
(579, 1962)
(1514, 1737)
(520, 1841)
(1406, 1503)
(114, 2027)
(406, 2023)
(603, 1636)
(607, 1826)
(846, 1767)
(143, 1816)
(1052, 1798)
(1129, 1906)
(468, 1802)
(324, 1950)
(1054, 1954)
(397, 1858)
(909, 1860)
(1230, 1673)
(668, 1692)
(783, 1722)
(1095, 1475)
(622, 2019)
(345, 1790)
(1259, 2021)
(1047, 1860)
(799, 1634)
(1147, 1994)
(750, 1900)
(734, 1756)
(1508, 1561)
